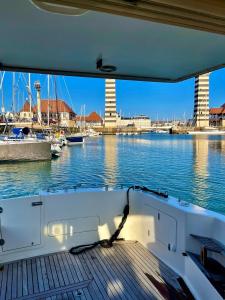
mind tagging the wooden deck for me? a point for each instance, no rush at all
(126, 271)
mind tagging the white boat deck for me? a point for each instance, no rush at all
(126, 271)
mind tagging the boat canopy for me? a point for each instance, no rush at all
(163, 40)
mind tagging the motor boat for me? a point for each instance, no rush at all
(104, 243)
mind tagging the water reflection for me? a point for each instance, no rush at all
(218, 145)
(201, 153)
(201, 173)
(22, 178)
(208, 160)
(110, 145)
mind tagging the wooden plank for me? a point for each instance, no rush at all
(159, 267)
(24, 276)
(155, 262)
(87, 294)
(135, 291)
(85, 267)
(47, 281)
(140, 263)
(1, 276)
(14, 280)
(4, 282)
(58, 270)
(57, 291)
(80, 266)
(145, 261)
(46, 265)
(53, 271)
(104, 294)
(92, 287)
(9, 283)
(149, 269)
(29, 277)
(130, 274)
(79, 294)
(34, 274)
(138, 273)
(70, 296)
(19, 279)
(111, 276)
(111, 264)
(59, 297)
(65, 296)
(100, 272)
(62, 269)
(66, 267)
(72, 267)
(40, 278)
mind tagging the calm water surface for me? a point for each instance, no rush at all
(192, 168)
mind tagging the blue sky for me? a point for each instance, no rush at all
(157, 100)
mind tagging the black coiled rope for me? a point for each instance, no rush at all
(108, 243)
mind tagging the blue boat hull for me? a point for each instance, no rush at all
(72, 140)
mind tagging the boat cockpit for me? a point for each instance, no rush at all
(104, 243)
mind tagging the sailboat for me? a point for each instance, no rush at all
(104, 243)
(20, 146)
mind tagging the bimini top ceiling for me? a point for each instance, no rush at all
(127, 39)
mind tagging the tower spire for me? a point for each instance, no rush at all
(110, 103)
(201, 104)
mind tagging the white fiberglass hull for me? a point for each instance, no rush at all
(24, 150)
(56, 222)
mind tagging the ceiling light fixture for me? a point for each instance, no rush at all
(104, 68)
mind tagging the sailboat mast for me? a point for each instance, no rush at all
(56, 99)
(13, 92)
(84, 118)
(48, 95)
(1, 89)
(30, 98)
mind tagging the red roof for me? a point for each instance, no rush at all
(55, 106)
(92, 118)
(26, 107)
(217, 110)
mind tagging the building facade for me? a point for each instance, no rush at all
(217, 116)
(201, 103)
(57, 111)
(139, 122)
(93, 120)
(110, 103)
(26, 113)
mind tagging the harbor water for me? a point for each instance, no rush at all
(189, 167)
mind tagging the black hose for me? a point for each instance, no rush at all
(108, 243)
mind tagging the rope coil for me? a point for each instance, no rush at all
(108, 243)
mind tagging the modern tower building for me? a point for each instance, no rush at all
(201, 106)
(110, 103)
